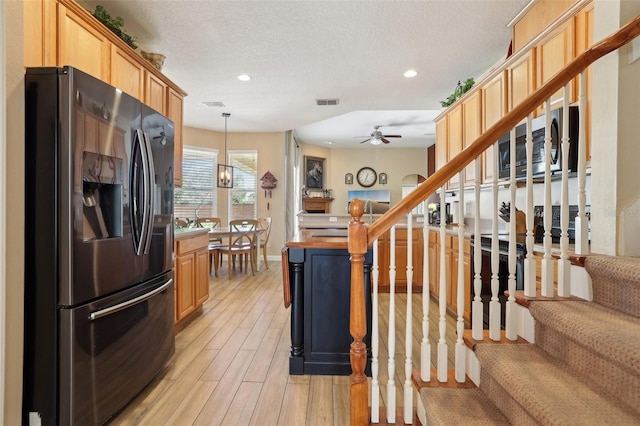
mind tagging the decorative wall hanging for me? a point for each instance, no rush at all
(382, 178)
(348, 179)
(269, 183)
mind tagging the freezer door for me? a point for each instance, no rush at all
(112, 348)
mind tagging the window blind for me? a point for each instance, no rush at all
(197, 197)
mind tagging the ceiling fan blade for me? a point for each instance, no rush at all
(366, 140)
(385, 140)
(392, 136)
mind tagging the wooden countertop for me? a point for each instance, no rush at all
(319, 238)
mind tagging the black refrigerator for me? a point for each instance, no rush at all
(99, 294)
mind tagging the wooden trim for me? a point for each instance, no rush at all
(511, 119)
(523, 300)
(286, 285)
(472, 343)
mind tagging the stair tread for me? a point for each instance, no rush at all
(611, 334)
(455, 406)
(544, 387)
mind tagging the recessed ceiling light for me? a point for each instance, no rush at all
(329, 143)
(244, 77)
(410, 73)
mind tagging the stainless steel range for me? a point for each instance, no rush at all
(503, 272)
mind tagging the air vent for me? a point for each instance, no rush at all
(214, 104)
(327, 101)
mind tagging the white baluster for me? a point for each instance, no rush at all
(442, 298)
(408, 337)
(425, 346)
(375, 384)
(477, 314)
(530, 260)
(460, 366)
(564, 265)
(547, 260)
(581, 220)
(494, 304)
(391, 366)
(510, 323)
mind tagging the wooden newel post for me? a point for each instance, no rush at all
(357, 320)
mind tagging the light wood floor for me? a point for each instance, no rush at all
(231, 365)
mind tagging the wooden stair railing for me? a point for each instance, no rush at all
(361, 236)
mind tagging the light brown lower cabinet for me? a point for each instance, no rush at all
(191, 275)
(451, 256)
(384, 251)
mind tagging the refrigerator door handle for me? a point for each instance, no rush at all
(124, 305)
(145, 194)
(137, 156)
(150, 191)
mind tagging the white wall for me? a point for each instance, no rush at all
(396, 163)
(615, 146)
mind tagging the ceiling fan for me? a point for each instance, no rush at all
(377, 137)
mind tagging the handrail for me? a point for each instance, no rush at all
(511, 119)
(361, 236)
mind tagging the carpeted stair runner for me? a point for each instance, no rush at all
(583, 369)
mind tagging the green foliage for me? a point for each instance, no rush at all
(461, 89)
(115, 25)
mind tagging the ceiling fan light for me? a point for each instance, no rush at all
(375, 141)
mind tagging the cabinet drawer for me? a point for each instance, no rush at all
(190, 244)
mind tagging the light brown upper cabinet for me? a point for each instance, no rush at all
(174, 113)
(553, 53)
(441, 142)
(454, 137)
(82, 45)
(127, 74)
(521, 78)
(155, 93)
(584, 40)
(494, 106)
(472, 128)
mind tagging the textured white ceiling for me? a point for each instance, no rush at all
(300, 51)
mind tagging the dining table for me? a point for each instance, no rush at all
(222, 234)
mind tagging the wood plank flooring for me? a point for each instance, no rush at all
(231, 365)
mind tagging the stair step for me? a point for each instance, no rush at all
(456, 406)
(615, 282)
(546, 391)
(609, 333)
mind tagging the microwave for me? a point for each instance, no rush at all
(538, 131)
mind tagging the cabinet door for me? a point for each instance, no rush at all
(454, 139)
(174, 113)
(521, 77)
(472, 114)
(127, 74)
(441, 143)
(584, 40)
(185, 284)
(40, 25)
(155, 93)
(202, 276)
(494, 106)
(81, 45)
(553, 53)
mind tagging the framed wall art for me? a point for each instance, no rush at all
(314, 172)
(382, 178)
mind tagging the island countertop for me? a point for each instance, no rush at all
(319, 238)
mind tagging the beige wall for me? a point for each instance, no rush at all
(270, 147)
(395, 162)
(13, 282)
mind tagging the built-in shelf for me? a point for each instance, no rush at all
(316, 204)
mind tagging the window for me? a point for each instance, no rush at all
(242, 202)
(197, 197)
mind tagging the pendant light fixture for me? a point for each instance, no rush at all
(225, 172)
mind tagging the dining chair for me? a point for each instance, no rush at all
(242, 242)
(264, 225)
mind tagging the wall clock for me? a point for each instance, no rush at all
(366, 177)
